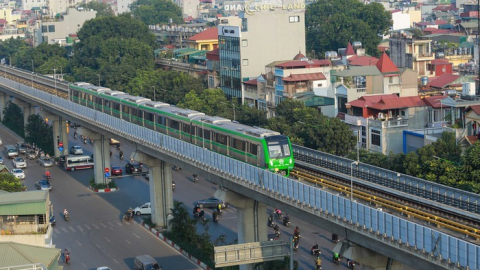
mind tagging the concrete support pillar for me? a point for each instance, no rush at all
(368, 259)
(27, 109)
(161, 193)
(101, 153)
(252, 218)
(3, 103)
(59, 132)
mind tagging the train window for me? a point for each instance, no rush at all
(207, 135)
(186, 128)
(161, 120)
(98, 100)
(133, 111)
(220, 138)
(107, 103)
(238, 144)
(253, 149)
(90, 98)
(116, 106)
(125, 109)
(149, 116)
(199, 132)
(174, 124)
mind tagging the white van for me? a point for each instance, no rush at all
(145, 209)
(145, 262)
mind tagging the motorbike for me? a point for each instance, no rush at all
(286, 222)
(318, 267)
(48, 177)
(52, 220)
(200, 215)
(277, 233)
(121, 157)
(84, 140)
(173, 186)
(315, 251)
(215, 219)
(195, 178)
(271, 223)
(66, 217)
(336, 260)
(279, 215)
(351, 264)
(334, 238)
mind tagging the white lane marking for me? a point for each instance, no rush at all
(95, 226)
(72, 229)
(107, 239)
(103, 225)
(78, 243)
(84, 265)
(110, 228)
(128, 242)
(136, 235)
(115, 260)
(97, 245)
(80, 229)
(119, 223)
(65, 230)
(110, 223)
(86, 226)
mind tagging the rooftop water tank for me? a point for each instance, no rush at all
(357, 44)
(424, 80)
(468, 89)
(331, 55)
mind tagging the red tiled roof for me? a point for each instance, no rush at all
(472, 139)
(424, 23)
(350, 50)
(434, 101)
(443, 80)
(251, 82)
(3, 21)
(209, 34)
(341, 116)
(399, 102)
(299, 56)
(385, 64)
(363, 61)
(369, 100)
(476, 109)
(305, 77)
(440, 22)
(213, 55)
(188, 19)
(219, 15)
(395, 11)
(383, 48)
(440, 61)
(437, 31)
(305, 64)
(444, 8)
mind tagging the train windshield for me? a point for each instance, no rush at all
(278, 147)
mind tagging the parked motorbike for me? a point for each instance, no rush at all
(351, 264)
(52, 220)
(195, 178)
(334, 238)
(286, 221)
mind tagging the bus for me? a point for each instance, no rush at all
(73, 163)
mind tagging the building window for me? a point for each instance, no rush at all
(294, 19)
(390, 80)
(245, 62)
(244, 43)
(364, 131)
(211, 81)
(51, 28)
(319, 85)
(375, 137)
(444, 69)
(44, 29)
(244, 25)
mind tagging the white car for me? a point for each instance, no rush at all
(18, 173)
(1, 141)
(104, 268)
(76, 150)
(145, 209)
(19, 162)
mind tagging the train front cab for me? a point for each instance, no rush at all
(279, 154)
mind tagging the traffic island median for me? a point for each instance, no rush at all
(175, 246)
(102, 188)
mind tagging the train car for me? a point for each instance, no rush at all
(257, 146)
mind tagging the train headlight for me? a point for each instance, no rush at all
(271, 162)
(291, 160)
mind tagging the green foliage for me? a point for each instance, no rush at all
(102, 9)
(13, 118)
(153, 12)
(344, 21)
(9, 47)
(251, 116)
(183, 233)
(40, 133)
(9, 183)
(45, 57)
(306, 126)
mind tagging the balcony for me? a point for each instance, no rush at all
(353, 120)
(424, 56)
(393, 123)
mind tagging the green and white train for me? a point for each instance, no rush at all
(257, 146)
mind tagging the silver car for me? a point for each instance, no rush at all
(31, 154)
(19, 162)
(22, 147)
(45, 161)
(76, 150)
(18, 173)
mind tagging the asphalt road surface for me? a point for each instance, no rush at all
(97, 236)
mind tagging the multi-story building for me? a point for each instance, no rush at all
(56, 30)
(60, 7)
(32, 4)
(382, 78)
(265, 33)
(409, 52)
(381, 119)
(205, 41)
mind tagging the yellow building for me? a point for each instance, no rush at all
(205, 41)
(9, 15)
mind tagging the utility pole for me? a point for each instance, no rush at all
(55, 77)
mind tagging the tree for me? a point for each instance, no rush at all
(10, 183)
(471, 163)
(251, 116)
(40, 133)
(102, 9)
(210, 101)
(52, 56)
(153, 12)
(9, 47)
(344, 21)
(13, 118)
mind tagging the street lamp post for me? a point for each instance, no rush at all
(10, 59)
(98, 79)
(55, 77)
(351, 178)
(33, 67)
(154, 93)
